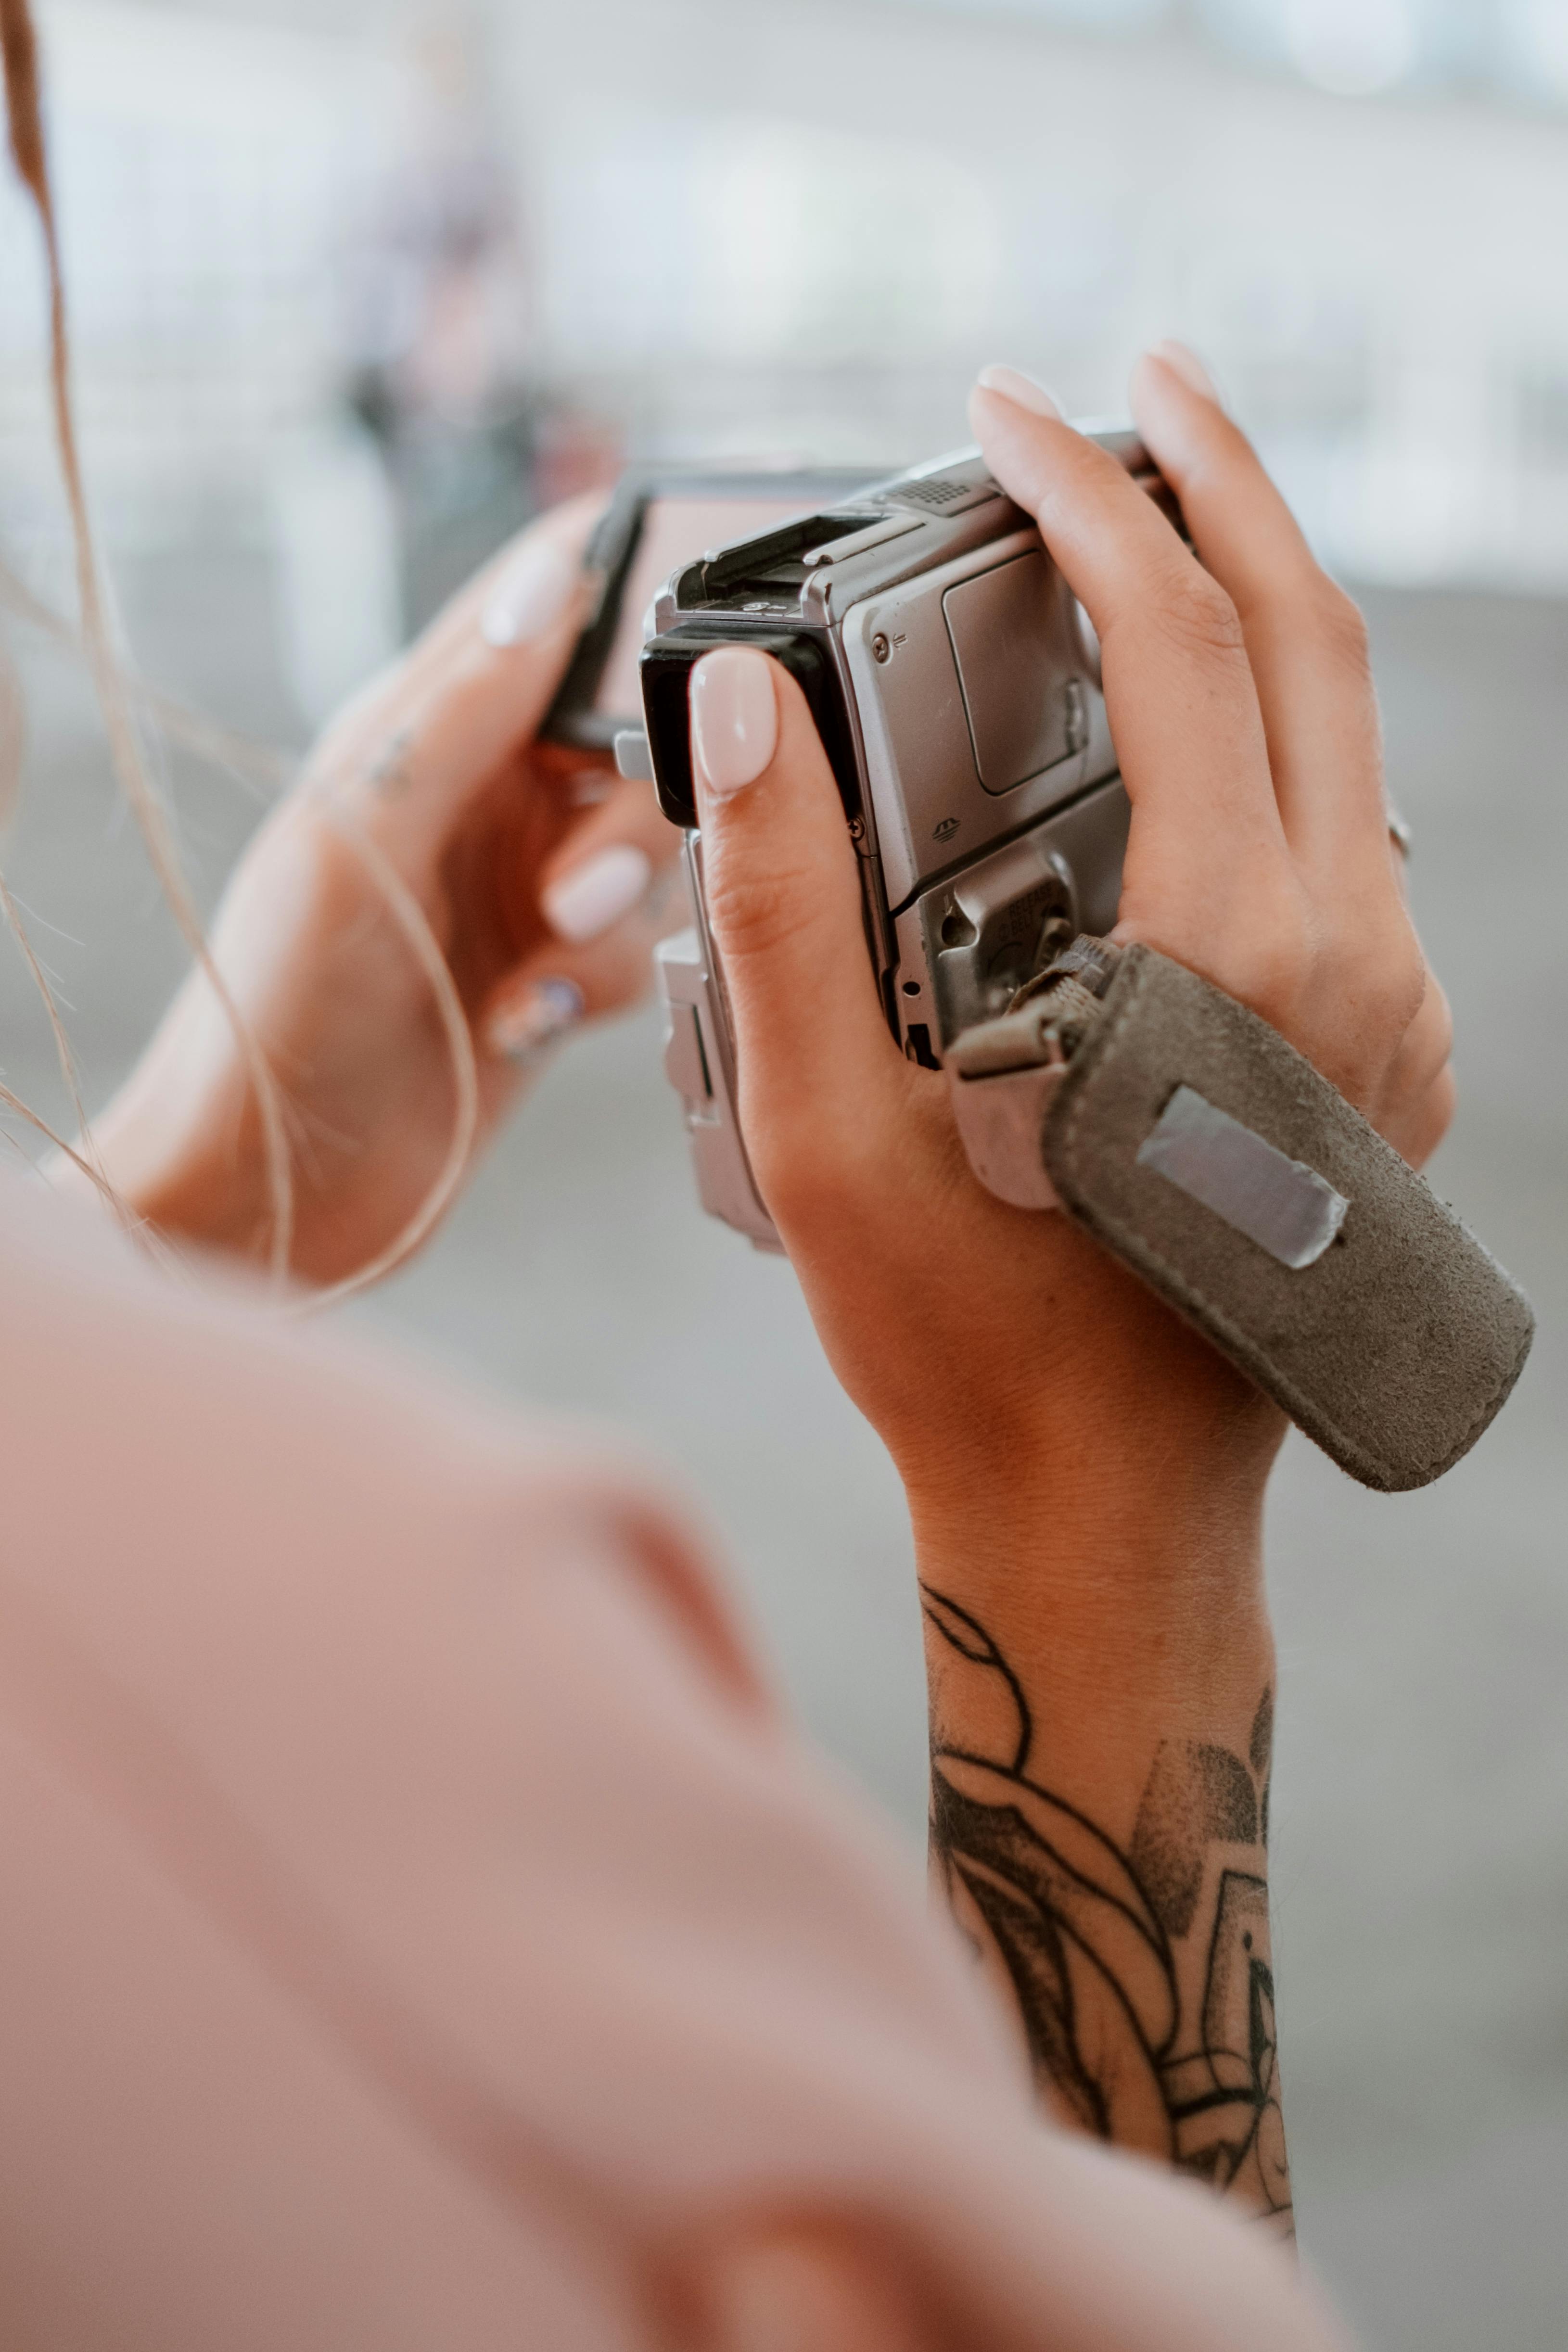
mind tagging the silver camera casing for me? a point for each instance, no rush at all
(973, 751)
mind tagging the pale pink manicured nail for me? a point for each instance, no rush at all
(1021, 389)
(1190, 368)
(593, 897)
(530, 597)
(734, 718)
(540, 1018)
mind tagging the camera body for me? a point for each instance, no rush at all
(956, 682)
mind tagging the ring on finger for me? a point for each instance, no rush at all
(1399, 831)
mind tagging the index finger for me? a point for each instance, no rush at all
(1179, 690)
(1305, 640)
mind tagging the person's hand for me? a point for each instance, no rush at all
(1241, 701)
(991, 1345)
(543, 879)
(1085, 1475)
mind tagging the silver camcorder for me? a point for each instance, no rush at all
(955, 683)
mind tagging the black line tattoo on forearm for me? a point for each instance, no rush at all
(1143, 1979)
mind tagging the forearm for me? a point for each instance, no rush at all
(1101, 1691)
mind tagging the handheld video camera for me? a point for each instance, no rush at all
(956, 682)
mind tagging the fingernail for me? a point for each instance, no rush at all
(530, 597)
(1190, 368)
(1014, 385)
(734, 718)
(522, 1030)
(585, 902)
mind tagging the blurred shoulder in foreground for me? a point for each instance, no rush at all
(419, 1918)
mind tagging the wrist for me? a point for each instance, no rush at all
(1160, 1477)
(1099, 1806)
(1136, 1620)
(1117, 1529)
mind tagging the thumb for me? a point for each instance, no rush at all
(814, 1053)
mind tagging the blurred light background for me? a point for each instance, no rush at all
(357, 287)
(316, 247)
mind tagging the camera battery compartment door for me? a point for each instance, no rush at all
(1016, 654)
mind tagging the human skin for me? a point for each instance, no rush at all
(433, 775)
(1085, 1475)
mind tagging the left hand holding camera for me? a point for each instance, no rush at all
(541, 880)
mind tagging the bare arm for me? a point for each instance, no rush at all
(1085, 1476)
(1099, 1821)
(1140, 1962)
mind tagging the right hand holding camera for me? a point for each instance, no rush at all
(1085, 1475)
(977, 1338)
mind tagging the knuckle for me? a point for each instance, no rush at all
(802, 1199)
(1272, 982)
(828, 1158)
(1415, 1119)
(1393, 975)
(1426, 1045)
(1439, 1013)
(1195, 611)
(814, 1182)
(1262, 951)
(1270, 961)
(1384, 1007)
(1442, 1102)
(754, 914)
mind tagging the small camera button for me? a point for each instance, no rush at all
(634, 755)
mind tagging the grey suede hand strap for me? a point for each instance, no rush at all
(1211, 1158)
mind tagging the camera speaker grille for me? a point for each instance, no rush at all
(945, 493)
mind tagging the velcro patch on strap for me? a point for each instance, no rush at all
(1283, 1205)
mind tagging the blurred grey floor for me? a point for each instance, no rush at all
(1421, 1867)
